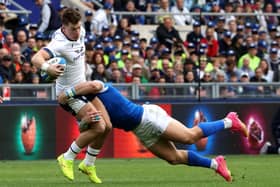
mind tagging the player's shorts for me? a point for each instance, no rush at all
(154, 122)
(74, 105)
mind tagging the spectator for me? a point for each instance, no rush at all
(7, 69)
(88, 21)
(267, 72)
(167, 34)
(258, 77)
(268, 8)
(164, 8)
(9, 40)
(101, 19)
(18, 78)
(127, 70)
(220, 27)
(262, 49)
(21, 39)
(17, 60)
(137, 71)
(272, 30)
(169, 74)
(228, 10)
(40, 37)
(142, 89)
(245, 89)
(155, 75)
(251, 18)
(100, 73)
(189, 65)
(3, 52)
(189, 78)
(50, 19)
(179, 91)
(246, 67)
(104, 34)
(195, 36)
(184, 18)
(198, 18)
(27, 72)
(132, 18)
(205, 91)
(5, 16)
(252, 55)
(123, 28)
(274, 63)
(97, 58)
(223, 90)
(259, 12)
(30, 49)
(212, 43)
(225, 44)
(232, 27)
(116, 76)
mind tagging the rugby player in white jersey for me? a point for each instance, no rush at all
(68, 42)
(155, 128)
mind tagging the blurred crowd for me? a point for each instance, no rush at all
(223, 48)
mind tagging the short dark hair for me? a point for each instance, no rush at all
(71, 15)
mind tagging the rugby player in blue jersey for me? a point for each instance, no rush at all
(154, 127)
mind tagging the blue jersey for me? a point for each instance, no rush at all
(123, 113)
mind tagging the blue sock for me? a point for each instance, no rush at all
(209, 128)
(195, 159)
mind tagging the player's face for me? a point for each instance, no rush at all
(72, 31)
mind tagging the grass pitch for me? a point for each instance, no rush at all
(247, 171)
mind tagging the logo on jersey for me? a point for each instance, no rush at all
(79, 50)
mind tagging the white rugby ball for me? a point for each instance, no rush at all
(55, 60)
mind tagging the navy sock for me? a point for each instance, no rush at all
(195, 159)
(209, 128)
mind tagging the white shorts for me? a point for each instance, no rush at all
(74, 105)
(154, 122)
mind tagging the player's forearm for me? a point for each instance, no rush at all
(90, 87)
(39, 59)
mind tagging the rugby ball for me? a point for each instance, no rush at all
(55, 60)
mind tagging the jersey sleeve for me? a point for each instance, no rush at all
(54, 48)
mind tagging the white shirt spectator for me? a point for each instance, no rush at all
(102, 18)
(184, 18)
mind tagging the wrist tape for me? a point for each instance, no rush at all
(70, 93)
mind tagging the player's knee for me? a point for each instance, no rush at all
(98, 127)
(108, 128)
(172, 160)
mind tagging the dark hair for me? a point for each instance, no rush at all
(71, 15)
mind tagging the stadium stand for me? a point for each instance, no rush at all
(246, 38)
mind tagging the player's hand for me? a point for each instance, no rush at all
(1, 99)
(92, 117)
(62, 98)
(55, 70)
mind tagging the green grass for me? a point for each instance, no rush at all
(247, 171)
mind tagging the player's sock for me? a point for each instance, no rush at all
(272, 150)
(73, 150)
(91, 156)
(209, 128)
(195, 159)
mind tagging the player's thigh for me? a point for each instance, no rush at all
(166, 150)
(178, 132)
(86, 108)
